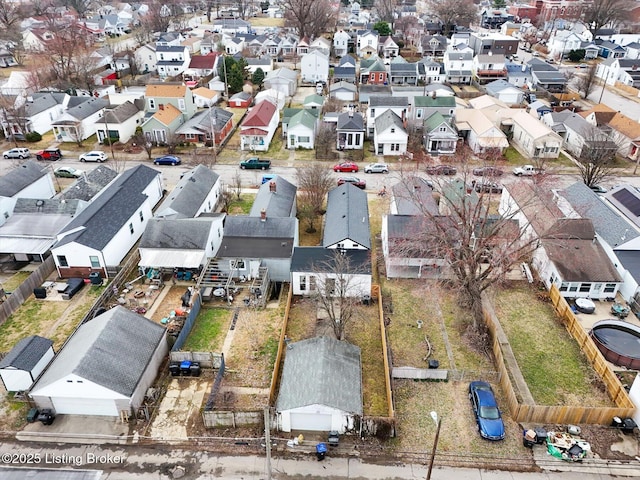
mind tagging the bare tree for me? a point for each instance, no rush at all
(141, 139)
(14, 116)
(336, 291)
(226, 199)
(596, 15)
(236, 184)
(157, 18)
(80, 6)
(325, 141)
(11, 13)
(409, 27)
(454, 13)
(314, 182)
(597, 156)
(243, 7)
(76, 132)
(309, 18)
(386, 10)
(587, 82)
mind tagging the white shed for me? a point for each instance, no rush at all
(26, 360)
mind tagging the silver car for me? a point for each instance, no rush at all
(17, 153)
(376, 168)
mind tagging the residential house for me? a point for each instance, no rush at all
(622, 129)
(373, 71)
(341, 41)
(546, 76)
(632, 50)
(365, 92)
(314, 67)
(119, 122)
(274, 96)
(591, 50)
(321, 387)
(350, 131)
(234, 46)
(623, 70)
(609, 49)
(424, 107)
(458, 65)
(562, 42)
(432, 46)
(519, 75)
(348, 61)
(167, 107)
(275, 199)
(240, 100)
(102, 234)
(495, 17)
(390, 137)
(265, 64)
(321, 45)
(430, 72)
(380, 104)
(271, 46)
(301, 131)
(170, 39)
(347, 220)
(366, 43)
(36, 113)
(172, 61)
(494, 42)
(303, 47)
(199, 127)
(402, 72)
(505, 92)
(388, 48)
(89, 185)
(211, 42)
(79, 123)
(578, 135)
(231, 26)
(313, 102)
(146, 58)
(105, 368)
(197, 192)
(440, 137)
(204, 97)
(345, 91)
(538, 109)
(201, 66)
(488, 67)
(259, 126)
(534, 138)
(283, 80)
(288, 46)
(479, 131)
(25, 362)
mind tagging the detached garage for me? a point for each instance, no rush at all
(321, 387)
(25, 361)
(105, 368)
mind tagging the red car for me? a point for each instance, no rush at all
(355, 181)
(52, 154)
(345, 167)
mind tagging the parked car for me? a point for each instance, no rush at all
(255, 163)
(354, 181)
(535, 54)
(488, 172)
(345, 167)
(376, 168)
(487, 187)
(68, 172)
(583, 65)
(441, 170)
(52, 154)
(93, 156)
(486, 411)
(167, 160)
(17, 153)
(598, 189)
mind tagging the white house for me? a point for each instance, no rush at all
(259, 126)
(146, 58)
(79, 123)
(478, 130)
(314, 67)
(321, 387)
(172, 61)
(283, 80)
(25, 362)
(341, 43)
(119, 123)
(204, 97)
(198, 191)
(458, 65)
(562, 43)
(28, 180)
(379, 104)
(321, 44)
(534, 137)
(344, 91)
(505, 92)
(350, 131)
(105, 368)
(301, 130)
(100, 236)
(390, 136)
(366, 43)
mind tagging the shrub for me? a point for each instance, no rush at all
(33, 137)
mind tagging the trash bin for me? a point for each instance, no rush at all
(46, 416)
(96, 278)
(334, 439)
(321, 451)
(185, 368)
(174, 369)
(32, 416)
(40, 292)
(366, 299)
(194, 369)
(434, 363)
(541, 435)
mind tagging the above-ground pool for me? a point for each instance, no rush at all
(618, 341)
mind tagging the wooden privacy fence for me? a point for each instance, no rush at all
(563, 414)
(205, 359)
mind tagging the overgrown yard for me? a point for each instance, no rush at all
(209, 331)
(551, 362)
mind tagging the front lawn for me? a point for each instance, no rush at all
(209, 331)
(243, 205)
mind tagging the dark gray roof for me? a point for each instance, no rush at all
(113, 350)
(351, 122)
(322, 371)
(368, 91)
(86, 187)
(250, 237)
(105, 216)
(401, 68)
(550, 77)
(169, 48)
(630, 260)
(49, 206)
(43, 101)
(538, 65)
(120, 113)
(388, 101)
(21, 177)
(320, 259)
(279, 203)
(86, 108)
(344, 72)
(189, 193)
(347, 216)
(388, 119)
(26, 353)
(572, 120)
(179, 234)
(414, 197)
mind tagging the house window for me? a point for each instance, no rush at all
(312, 283)
(573, 287)
(564, 286)
(393, 130)
(340, 245)
(192, 136)
(181, 104)
(373, 112)
(141, 216)
(239, 264)
(62, 260)
(585, 287)
(610, 288)
(381, 77)
(303, 139)
(303, 283)
(419, 113)
(95, 262)
(330, 286)
(442, 129)
(131, 228)
(152, 104)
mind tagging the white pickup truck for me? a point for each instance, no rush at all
(527, 170)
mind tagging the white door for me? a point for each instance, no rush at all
(316, 422)
(84, 406)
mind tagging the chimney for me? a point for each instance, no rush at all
(161, 106)
(272, 188)
(263, 215)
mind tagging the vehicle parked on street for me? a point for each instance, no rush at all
(94, 156)
(346, 167)
(167, 160)
(17, 153)
(354, 181)
(487, 187)
(442, 170)
(68, 172)
(488, 172)
(486, 411)
(255, 163)
(52, 154)
(527, 170)
(376, 168)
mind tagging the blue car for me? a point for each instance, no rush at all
(167, 160)
(486, 410)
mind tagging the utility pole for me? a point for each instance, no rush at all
(438, 421)
(267, 440)
(213, 134)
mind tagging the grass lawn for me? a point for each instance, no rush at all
(209, 331)
(552, 364)
(277, 150)
(306, 239)
(15, 281)
(514, 157)
(305, 155)
(242, 206)
(266, 22)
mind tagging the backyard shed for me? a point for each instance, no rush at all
(26, 360)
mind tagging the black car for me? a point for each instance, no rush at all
(442, 170)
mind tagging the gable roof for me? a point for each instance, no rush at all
(84, 109)
(387, 101)
(167, 114)
(347, 216)
(203, 61)
(43, 101)
(414, 197)
(537, 206)
(251, 237)
(323, 260)
(189, 193)
(282, 72)
(314, 98)
(625, 125)
(342, 86)
(92, 182)
(113, 350)
(97, 224)
(278, 203)
(430, 101)
(322, 371)
(163, 90)
(21, 177)
(387, 120)
(497, 86)
(434, 121)
(351, 121)
(304, 118)
(203, 120)
(603, 114)
(119, 113)
(26, 353)
(177, 233)
(260, 115)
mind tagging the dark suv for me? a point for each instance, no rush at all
(52, 154)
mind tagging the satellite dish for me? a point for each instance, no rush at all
(39, 203)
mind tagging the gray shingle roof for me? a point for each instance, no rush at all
(86, 187)
(179, 234)
(189, 193)
(320, 259)
(387, 101)
(42, 102)
(120, 113)
(86, 108)
(112, 350)
(280, 203)
(347, 217)
(21, 177)
(322, 371)
(50, 206)
(249, 237)
(26, 353)
(97, 224)
(350, 122)
(388, 119)
(572, 120)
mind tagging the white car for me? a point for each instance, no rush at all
(17, 153)
(93, 156)
(376, 168)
